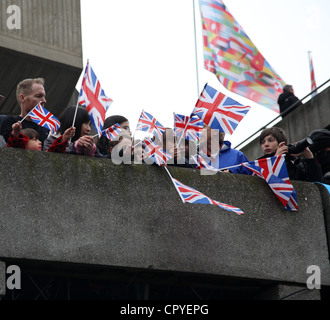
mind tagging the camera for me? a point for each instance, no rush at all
(300, 146)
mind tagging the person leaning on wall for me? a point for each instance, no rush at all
(287, 99)
(301, 166)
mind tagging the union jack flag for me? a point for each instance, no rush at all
(202, 164)
(187, 127)
(219, 111)
(313, 82)
(149, 124)
(191, 195)
(44, 118)
(112, 132)
(93, 97)
(155, 152)
(274, 171)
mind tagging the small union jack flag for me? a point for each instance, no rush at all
(44, 118)
(274, 171)
(149, 124)
(219, 111)
(191, 195)
(202, 164)
(93, 97)
(186, 127)
(155, 152)
(112, 132)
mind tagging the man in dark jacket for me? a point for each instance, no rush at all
(29, 93)
(287, 99)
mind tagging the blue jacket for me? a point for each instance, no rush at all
(228, 157)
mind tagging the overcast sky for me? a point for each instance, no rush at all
(143, 53)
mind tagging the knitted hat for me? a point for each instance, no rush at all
(321, 139)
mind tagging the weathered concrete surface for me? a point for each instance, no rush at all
(290, 292)
(66, 208)
(48, 44)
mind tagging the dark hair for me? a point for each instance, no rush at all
(30, 133)
(287, 88)
(276, 132)
(66, 119)
(104, 144)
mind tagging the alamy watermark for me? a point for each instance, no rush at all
(13, 17)
(13, 274)
(314, 280)
(180, 150)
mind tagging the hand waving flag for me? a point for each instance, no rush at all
(186, 127)
(93, 97)
(202, 164)
(218, 111)
(155, 152)
(149, 124)
(44, 118)
(112, 132)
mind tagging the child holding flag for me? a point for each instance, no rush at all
(81, 143)
(29, 139)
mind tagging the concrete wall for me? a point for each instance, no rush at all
(48, 44)
(298, 124)
(50, 29)
(72, 209)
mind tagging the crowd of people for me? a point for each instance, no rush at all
(311, 164)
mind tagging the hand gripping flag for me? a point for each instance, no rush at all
(233, 58)
(186, 127)
(149, 124)
(93, 97)
(202, 164)
(191, 195)
(155, 152)
(112, 132)
(44, 118)
(274, 171)
(218, 111)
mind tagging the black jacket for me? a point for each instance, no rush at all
(301, 169)
(286, 100)
(8, 121)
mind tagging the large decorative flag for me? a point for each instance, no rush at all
(313, 82)
(93, 97)
(191, 195)
(274, 171)
(149, 124)
(44, 118)
(187, 127)
(219, 111)
(233, 58)
(112, 132)
(155, 152)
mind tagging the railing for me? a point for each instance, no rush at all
(291, 108)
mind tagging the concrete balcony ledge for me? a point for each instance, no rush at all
(70, 209)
